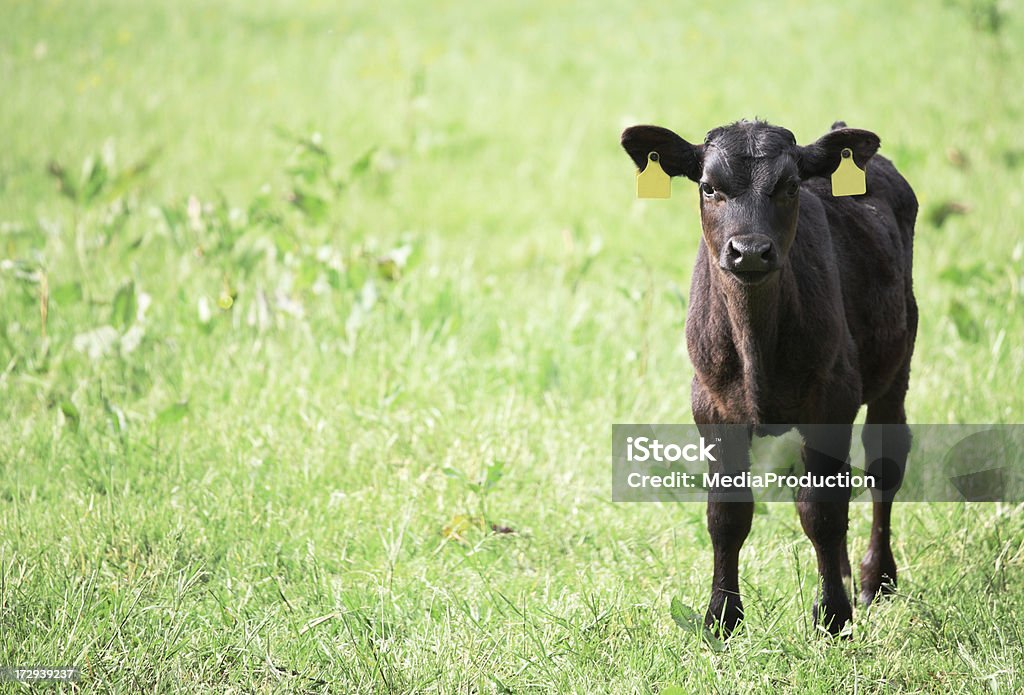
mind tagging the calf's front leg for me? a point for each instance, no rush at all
(824, 515)
(729, 524)
(730, 513)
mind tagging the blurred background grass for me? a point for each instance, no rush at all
(297, 260)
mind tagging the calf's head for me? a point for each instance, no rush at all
(749, 175)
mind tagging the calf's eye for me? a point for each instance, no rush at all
(793, 188)
(706, 188)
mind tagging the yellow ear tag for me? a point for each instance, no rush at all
(848, 179)
(653, 182)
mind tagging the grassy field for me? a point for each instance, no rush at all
(280, 285)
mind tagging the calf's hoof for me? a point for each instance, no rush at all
(877, 576)
(725, 612)
(833, 615)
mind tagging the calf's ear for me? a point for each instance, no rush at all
(677, 156)
(821, 158)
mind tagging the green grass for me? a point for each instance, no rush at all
(453, 274)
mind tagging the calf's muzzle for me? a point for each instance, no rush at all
(749, 256)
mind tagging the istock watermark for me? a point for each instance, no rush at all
(647, 449)
(946, 463)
